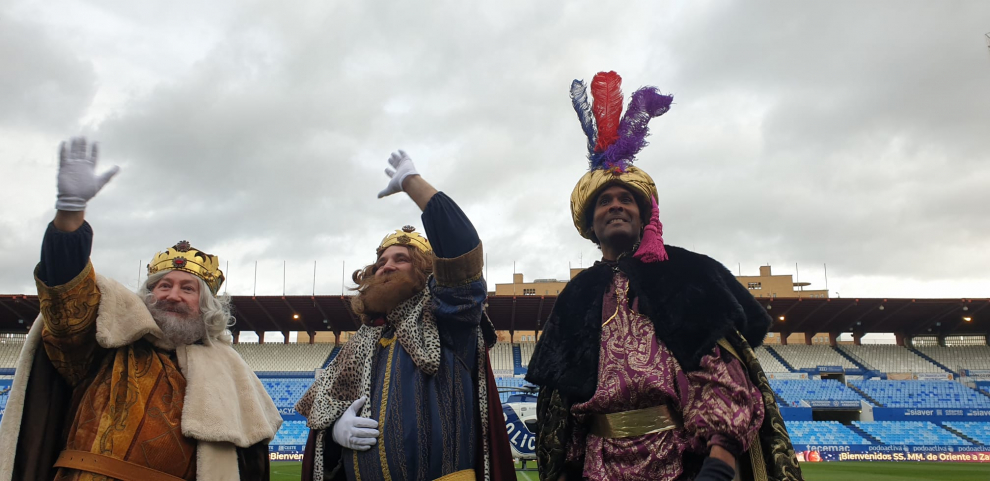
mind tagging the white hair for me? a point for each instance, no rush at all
(214, 310)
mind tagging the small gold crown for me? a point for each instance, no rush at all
(407, 236)
(183, 257)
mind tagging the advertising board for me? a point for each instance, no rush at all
(286, 452)
(894, 453)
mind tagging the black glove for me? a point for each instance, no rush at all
(714, 469)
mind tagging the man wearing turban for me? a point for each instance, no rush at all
(645, 364)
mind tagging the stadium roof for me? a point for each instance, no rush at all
(912, 317)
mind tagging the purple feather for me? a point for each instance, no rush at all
(579, 98)
(645, 104)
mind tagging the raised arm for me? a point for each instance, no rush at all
(458, 285)
(66, 282)
(450, 231)
(69, 239)
(419, 190)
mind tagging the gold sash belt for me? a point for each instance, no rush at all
(465, 475)
(631, 423)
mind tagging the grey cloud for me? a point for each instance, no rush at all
(871, 121)
(850, 134)
(43, 84)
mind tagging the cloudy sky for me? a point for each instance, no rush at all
(852, 134)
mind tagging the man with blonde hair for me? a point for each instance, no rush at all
(411, 395)
(114, 385)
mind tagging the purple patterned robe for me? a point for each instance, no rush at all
(718, 403)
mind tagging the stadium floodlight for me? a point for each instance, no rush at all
(295, 316)
(967, 319)
(781, 318)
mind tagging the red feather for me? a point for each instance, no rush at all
(607, 91)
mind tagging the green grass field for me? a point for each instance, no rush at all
(846, 471)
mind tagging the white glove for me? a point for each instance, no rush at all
(77, 179)
(403, 168)
(354, 432)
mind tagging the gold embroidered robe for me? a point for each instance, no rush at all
(126, 402)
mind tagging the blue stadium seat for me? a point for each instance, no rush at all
(508, 382)
(292, 432)
(923, 394)
(823, 432)
(916, 433)
(793, 391)
(286, 391)
(978, 431)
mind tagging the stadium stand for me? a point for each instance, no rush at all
(964, 357)
(922, 394)
(916, 433)
(502, 360)
(768, 361)
(291, 432)
(9, 350)
(980, 432)
(284, 357)
(286, 391)
(823, 432)
(508, 382)
(890, 358)
(526, 351)
(517, 367)
(810, 357)
(333, 354)
(796, 390)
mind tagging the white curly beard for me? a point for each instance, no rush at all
(179, 326)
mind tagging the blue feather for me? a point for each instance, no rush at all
(579, 98)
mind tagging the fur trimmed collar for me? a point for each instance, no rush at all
(225, 404)
(224, 401)
(692, 300)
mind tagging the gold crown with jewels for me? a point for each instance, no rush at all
(186, 258)
(407, 236)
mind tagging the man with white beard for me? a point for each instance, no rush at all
(116, 385)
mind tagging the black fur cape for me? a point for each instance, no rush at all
(692, 300)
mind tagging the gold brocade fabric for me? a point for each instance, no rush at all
(553, 434)
(127, 402)
(716, 405)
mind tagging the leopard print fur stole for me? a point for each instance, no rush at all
(348, 377)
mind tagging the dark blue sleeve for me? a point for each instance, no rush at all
(450, 232)
(462, 303)
(64, 254)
